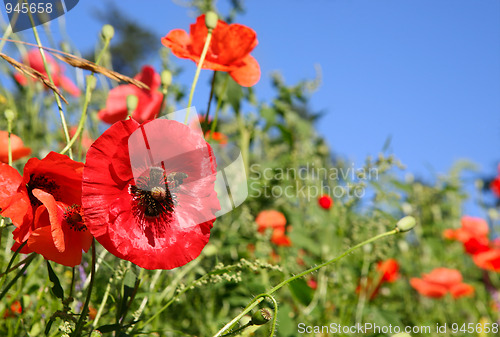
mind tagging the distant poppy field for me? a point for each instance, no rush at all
(125, 211)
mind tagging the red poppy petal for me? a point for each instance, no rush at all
(148, 107)
(116, 103)
(178, 41)
(489, 260)
(40, 241)
(56, 216)
(14, 200)
(233, 43)
(428, 289)
(461, 289)
(248, 74)
(444, 276)
(69, 86)
(149, 77)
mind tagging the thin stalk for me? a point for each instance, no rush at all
(219, 104)
(198, 70)
(210, 97)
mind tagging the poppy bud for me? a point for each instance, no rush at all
(9, 114)
(166, 78)
(211, 20)
(132, 102)
(107, 32)
(261, 317)
(405, 224)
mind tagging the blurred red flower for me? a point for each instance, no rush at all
(217, 137)
(325, 201)
(229, 49)
(389, 270)
(55, 174)
(150, 200)
(149, 101)
(495, 184)
(440, 281)
(312, 283)
(279, 237)
(473, 234)
(270, 219)
(17, 145)
(489, 260)
(14, 310)
(35, 61)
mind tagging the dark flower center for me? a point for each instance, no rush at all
(155, 195)
(42, 183)
(74, 219)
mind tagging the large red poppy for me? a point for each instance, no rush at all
(229, 49)
(440, 281)
(149, 101)
(17, 146)
(55, 174)
(270, 219)
(148, 192)
(35, 61)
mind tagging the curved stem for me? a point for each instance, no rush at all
(198, 70)
(85, 309)
(261, 297)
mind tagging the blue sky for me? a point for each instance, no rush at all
(425, 73)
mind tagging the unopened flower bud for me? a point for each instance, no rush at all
(132, 102)
(107, 32)
(261, 317)
(166, 78)
(9, 114)
(405, 224)
(211, 19)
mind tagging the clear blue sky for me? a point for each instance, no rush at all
(426, 72)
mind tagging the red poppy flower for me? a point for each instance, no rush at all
(476, 245)
(440, 281)
(489, 260)
(312, 284)
(473, 234)
(389, 270)
(55, 174)
(229, 49)
(148, 192)
(325, 201)
(149, 101)
(18, 148)
(270, 219)
(217, 137)
(14, 310)
(35, 61)
(59, 233)
(279, 237)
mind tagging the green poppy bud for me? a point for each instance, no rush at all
(261, 317)
(166, 78)
(405, 224)
(9, 114)
(107, 32)
(132, 102)
(211, 20)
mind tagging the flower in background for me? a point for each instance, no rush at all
(280, 238)
(217, 137)
(17, 145)
(489, 260)
(35, 61)
(14, 310)
(149, 100)
(495, 184)
(312, 283)
(270, 219)
(56, 174)
(389, 270)
(473, 234)
(441, 281)
(325, 201)
(229, 49)
(158, 214)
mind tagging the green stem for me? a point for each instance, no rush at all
(47, 70)
(9, 130)
(261, 297)
(198, 70)
(85, 309)
(103, 303)
(219, 104)
(11, 283)
(210, 97)
(4, 274)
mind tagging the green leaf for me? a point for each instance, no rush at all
(108, 328)
(57, 290)
(301, 291)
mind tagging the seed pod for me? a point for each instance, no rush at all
(261, 317)
(211, 20)
(107, 32)
(405, 224)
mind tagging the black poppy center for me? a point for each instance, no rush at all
(74, 219)
(155, 195)
(43, 183)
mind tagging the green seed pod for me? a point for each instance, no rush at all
(211, 19)
(132, 102)
(405, 224)
(9, 114)
(166, 78)
(261, 316)
(107, 32)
